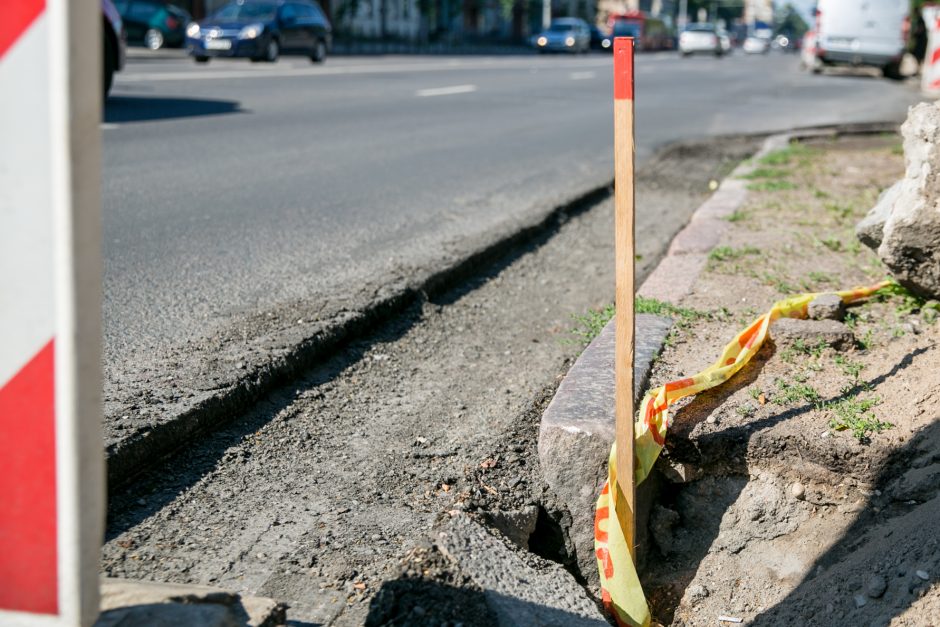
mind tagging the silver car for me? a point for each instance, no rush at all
(698, 38)
(565, 34)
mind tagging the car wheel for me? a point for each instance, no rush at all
(153, 39)
(319, 52)
(892, 71)
(201, 59)
(109, 66)
(272, 51)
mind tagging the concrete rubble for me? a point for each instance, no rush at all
(904, 226)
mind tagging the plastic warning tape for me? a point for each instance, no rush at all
(620, 585)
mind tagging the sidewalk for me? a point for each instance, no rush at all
(801, 491)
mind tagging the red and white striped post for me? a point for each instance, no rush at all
(624, 205)
(930, 70)
(51, 460)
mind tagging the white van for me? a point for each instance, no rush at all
(862, 32)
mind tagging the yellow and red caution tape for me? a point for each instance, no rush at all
(620, 585)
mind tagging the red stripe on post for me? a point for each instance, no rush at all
(16, 16)
(28, 555)
(623, 68)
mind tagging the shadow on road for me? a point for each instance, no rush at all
(146, 108)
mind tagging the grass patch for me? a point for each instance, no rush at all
(772, 185)
(785, 156)
(738, 216)
(855, 415)
(766, 173)
(589, 325)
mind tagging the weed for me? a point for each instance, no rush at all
(746, 410)
(849, 367)
(897, 149)
(684, 315)
(841, 211)
(778, 283)
(589, 325)
(766, 173)
(724, 253)
(738, 216)
(771, 186)
(897, 332)
(795, 392)
(909, 303)
(867, 340)
(833, 243)
(755, 393)
(851, 320)
(854, 246)
(821, 277)
(855, 414)
(818, 193)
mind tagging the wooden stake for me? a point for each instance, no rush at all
(624, 187)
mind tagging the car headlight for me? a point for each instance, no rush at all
(605, 43)
(569, 41)
(542, 41)
(251, 31)
(192, 30)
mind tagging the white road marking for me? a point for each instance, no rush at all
(581, 76)
(445, 91)
(201, 74)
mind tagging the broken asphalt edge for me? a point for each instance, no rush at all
(133, 455)
(578, 426)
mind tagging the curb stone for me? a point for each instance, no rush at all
(578, 426)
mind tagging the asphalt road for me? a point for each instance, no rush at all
(233, 189)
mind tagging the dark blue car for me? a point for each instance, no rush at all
(261, 30)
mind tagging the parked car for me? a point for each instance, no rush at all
(700, 37)
(872, 33)
(650, 33)
(113, 45)
(599, 39)
(262, 30)
(724, 40)
(153, 23)
(756, 45)
(565, 34)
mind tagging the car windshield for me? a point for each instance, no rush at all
(246, 11)
(701, 28)
(560, 27)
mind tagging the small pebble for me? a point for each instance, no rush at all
(860, 600)
(922, 574)
(876, 587)
(711, 419)
(798, 491)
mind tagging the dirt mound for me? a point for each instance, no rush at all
(808, 485)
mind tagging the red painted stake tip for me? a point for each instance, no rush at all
(623, 68)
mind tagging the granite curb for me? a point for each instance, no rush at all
(577, 428)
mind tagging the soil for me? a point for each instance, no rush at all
(325, 494)
(784, 518)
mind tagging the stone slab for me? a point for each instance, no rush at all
(578, 428)
(520, 589)
(129, 602)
